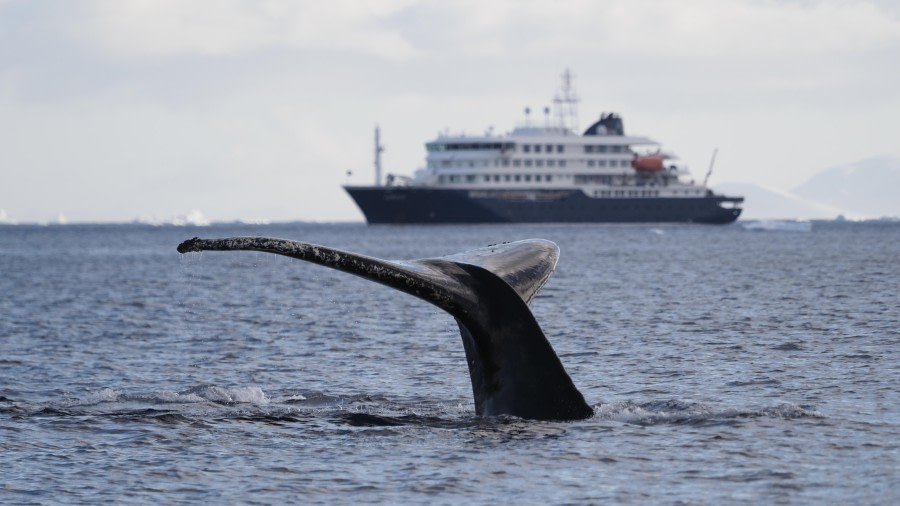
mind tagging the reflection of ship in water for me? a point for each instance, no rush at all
(545, 174)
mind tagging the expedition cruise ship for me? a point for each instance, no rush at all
(545, 174)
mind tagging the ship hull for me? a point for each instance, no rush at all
(406, 204)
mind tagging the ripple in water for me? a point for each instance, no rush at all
(724, 366)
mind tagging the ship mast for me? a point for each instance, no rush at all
(711, 163)
(378, 149)
(566, 104)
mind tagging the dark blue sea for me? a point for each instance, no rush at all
(726, 365)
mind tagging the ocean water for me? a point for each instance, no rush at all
(726, 365)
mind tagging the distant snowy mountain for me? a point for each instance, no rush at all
(767, 204)
(870, 188)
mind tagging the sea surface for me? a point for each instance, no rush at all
(725, 364)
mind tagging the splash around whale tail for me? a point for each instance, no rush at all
(513, 368)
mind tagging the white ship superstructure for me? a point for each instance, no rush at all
(602, 163)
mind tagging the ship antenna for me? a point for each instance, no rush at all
(378, 149)
(712, 162)
(566, 102)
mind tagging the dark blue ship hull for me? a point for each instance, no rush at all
(409, 204)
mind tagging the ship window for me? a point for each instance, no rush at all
(548, 178)
(601, 149)
(505, 163)
(526, 148)
(537, 148)
(528, 163)
(470, 178)
(616, 149)
(496, 178)
(506, 178)
(562, 163)
(549, 148)
(466, 147)
(516, 163)
(601, 163)
(537, 178)
(559, 148)
(518, 178)
(528, 177)
(551, 163)
(613, 163)
(589, 149)
(538, 163)
(487, 178)
(590, 163)
(454, 178)
(445, 163)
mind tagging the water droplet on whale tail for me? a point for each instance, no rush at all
(513, 368)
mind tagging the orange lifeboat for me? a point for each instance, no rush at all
(651, 163)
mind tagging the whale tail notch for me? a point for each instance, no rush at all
(513, 368)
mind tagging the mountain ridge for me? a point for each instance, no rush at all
(865, 189)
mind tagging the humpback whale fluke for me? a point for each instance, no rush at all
(513, 368)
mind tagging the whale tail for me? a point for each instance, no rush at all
(513, 368)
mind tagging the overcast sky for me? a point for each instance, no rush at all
(112, 110)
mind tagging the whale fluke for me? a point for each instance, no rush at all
(513, 368)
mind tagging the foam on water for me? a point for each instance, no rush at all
(778, 225)
(691, 413)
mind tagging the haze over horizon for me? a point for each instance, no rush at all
(113, 111)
